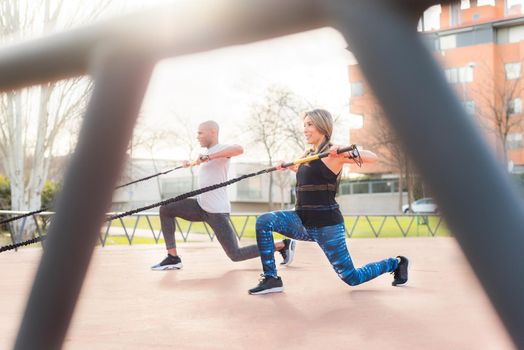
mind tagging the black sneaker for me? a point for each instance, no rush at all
(288, 252)
(401, 272)
(169, 263)
(268, 284)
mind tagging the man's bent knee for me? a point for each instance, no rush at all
(235, 256)
(163, 210)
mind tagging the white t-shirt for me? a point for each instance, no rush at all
(211, 173)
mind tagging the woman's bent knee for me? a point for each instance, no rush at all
(264, 221)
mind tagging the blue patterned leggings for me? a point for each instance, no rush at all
(331, 239)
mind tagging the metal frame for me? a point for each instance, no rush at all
(439, 137)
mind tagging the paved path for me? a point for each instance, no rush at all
(124, 305)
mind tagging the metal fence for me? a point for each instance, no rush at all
(357, 225)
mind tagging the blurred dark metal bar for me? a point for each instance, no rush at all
(120, 83)
(436, 131)
(480, 203)
(180, 28)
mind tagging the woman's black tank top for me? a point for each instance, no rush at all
(316, 189)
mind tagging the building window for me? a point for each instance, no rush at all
(454, 18)
(469, 106)
(515, 106)
(512, 71)
(485, 2)
(431, 19)
(174, 187)
(380, 187)
(516, 34)
(514, 141)
(371, 186)
(250, 189)
(448, 42)
(460, 75)
(452, 75)
(464, 4)
(360, 188)
(356, 121)
(357, 89)
(466, 74)
(514, 7)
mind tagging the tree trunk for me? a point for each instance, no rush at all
(505, 156)
(192, 178)
(270, 194)
(400, 189)
(38, 173)
(158, 185)
(281, 197)
(16, 161)
(409, 184)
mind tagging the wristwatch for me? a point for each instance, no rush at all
(204, 158)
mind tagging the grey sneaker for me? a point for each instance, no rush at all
(288, 252)
(169, 263)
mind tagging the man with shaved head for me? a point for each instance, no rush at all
(211, 207)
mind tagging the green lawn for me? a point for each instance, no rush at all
(118, 240)
(5, 239)
(420, 226)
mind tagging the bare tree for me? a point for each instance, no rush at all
(148, 139)
(283, 180)
(184, 137)
(291, 107)
(50, 107)
(385, 143)
(274, 125)
(497, 100)
(265, 126)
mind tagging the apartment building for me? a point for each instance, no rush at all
(480, 45)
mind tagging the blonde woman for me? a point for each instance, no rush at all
(317, 216)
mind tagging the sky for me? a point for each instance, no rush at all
(223, 84)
